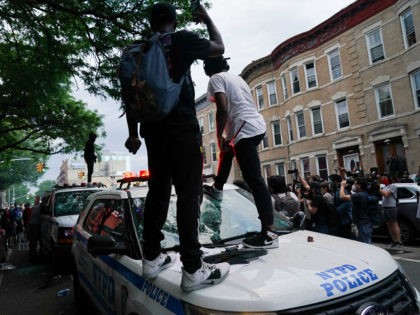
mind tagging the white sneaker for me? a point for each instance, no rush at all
(151, 268)
(207, 275)
(262, 240)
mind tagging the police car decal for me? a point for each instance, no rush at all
(345, 278)
(157, 294)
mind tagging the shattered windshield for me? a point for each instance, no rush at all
(70, 202)
(235, 215)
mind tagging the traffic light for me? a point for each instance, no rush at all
(39, 167)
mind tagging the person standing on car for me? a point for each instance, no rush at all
(359, 202)
(389, 204)
(174, 157)
(237, 115)
(89, 155)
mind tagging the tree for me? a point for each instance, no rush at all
(20, 170)
(44, 45)
(45, 186)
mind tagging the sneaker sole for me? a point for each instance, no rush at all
(153, 275)
(203, 285)
(268, 246)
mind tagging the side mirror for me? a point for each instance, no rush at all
(104, 245)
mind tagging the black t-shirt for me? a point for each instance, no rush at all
(185, 47)
(359, 202)
(321, 215)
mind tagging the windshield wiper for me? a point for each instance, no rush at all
(223, 241)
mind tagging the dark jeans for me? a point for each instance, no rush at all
(246, 152)
(34, 236)
(174, 157)
(89, 171)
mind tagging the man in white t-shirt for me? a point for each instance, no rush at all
(244, 127)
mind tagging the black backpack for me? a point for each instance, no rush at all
(147, 90)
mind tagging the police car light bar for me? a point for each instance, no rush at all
(131, 177)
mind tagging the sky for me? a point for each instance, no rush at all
(250, 30)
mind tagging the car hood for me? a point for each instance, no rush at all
(298, 273)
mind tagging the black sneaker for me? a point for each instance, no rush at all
(262, 240)
(213, 192)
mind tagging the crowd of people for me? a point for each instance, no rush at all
(22, 223)
(337, 205)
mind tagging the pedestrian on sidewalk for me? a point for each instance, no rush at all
(34, 228)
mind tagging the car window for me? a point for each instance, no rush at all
(404, 193)
(235, 215)
(106, 218)
(70, 202)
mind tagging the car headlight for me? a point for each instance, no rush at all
(196, 310)
(409, 284)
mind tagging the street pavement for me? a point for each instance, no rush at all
(32, 287)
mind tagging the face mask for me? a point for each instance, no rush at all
(385, 181)
(353, 188)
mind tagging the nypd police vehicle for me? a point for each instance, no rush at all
(309, 273)
(60, 209)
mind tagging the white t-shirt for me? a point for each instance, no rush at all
(241, 106)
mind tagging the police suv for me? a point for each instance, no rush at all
(310, 273)
(60, 209)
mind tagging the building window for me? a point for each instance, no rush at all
(260, 97)
(294, 78)
(375, 45)
(204, 155)
(280, 168)
(201, 124)
(317, 121)
(342, 113)
(310, 75)
(213, 152)
(289, 128)
(211, 121)
(266, 171)
(335, 64)
(264, 142)
(272, 94)
(384, 100)
(275, 128)
(300, 122)
(415, 82)
(409, 32)
(322, 167)
(306, 170)
(284, 84)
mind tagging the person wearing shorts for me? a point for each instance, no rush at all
(389, 205)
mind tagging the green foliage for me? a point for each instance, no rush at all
(45, 46)
(17, 169)
(45, 186)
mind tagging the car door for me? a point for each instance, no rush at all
(96, 271)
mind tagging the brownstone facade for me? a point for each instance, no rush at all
(344, 94)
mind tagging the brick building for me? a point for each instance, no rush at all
(343, 94)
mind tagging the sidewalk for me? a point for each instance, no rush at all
(30, 287)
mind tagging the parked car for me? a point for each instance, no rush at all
(59, 211)
(407, 194)
(309, 273)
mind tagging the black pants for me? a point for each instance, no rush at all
(246, 152)
(174, 157)
(89, 171)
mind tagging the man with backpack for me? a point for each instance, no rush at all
(174, 155)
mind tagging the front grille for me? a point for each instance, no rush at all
(393, 293)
